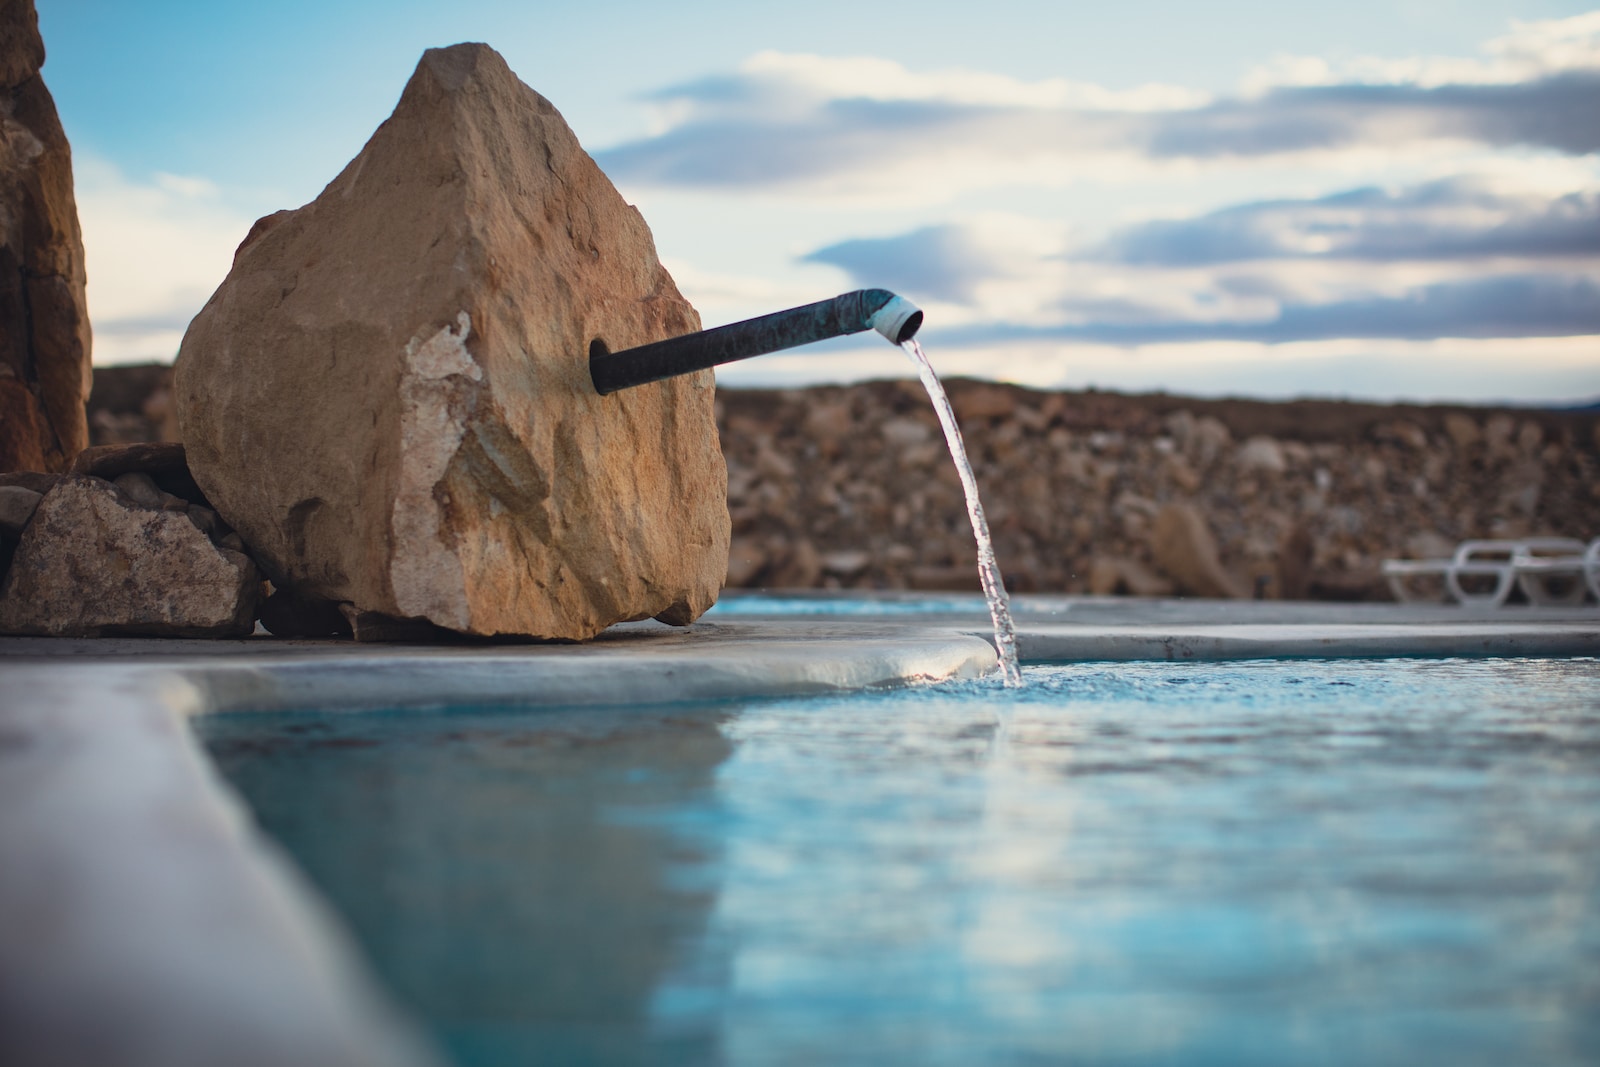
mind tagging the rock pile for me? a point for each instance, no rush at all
(1095, 492)
(44, 323)
(389, 395)
(123, 544)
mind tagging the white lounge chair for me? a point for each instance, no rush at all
(1591, 567)
(1550, 571)
(1540, 560)
(1402, 573)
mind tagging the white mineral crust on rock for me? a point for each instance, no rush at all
(389, 396)
(437, 393)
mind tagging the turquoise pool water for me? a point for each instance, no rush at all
(1237, 863)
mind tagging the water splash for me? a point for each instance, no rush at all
(994, 590)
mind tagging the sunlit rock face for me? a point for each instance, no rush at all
(44, 319)
(389, 395)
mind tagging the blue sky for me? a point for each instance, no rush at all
(1378, 200)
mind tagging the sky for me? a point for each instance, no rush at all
(1393, 200)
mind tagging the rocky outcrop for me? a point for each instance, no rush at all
(1300, 499)
(44, 321)
(389, 395)
(99, 558)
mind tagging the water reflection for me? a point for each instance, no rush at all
(1257, 863)
(506, 872)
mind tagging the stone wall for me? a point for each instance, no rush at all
(852, 487)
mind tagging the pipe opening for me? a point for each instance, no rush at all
(909, 330)
(898, 320)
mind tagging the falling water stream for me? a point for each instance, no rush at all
(994, 589)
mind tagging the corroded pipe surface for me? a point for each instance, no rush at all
(865, 309)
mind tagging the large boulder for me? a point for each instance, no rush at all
(44, 320)
(389, 396)
(99, 559)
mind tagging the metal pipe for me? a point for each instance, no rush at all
(865, 309)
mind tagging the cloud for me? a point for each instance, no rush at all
(857, 125)
(1510, 306)
(937, 262)
(1555, 112)
(1460, 258)
(1455, 218)
(155, 251)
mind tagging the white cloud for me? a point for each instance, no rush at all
(820, 78)
(1531, 50)
(155, 250)
(868, 128)
(1459, 258)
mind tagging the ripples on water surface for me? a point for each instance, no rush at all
(1249, 863)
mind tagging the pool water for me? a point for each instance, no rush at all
(1238, 863)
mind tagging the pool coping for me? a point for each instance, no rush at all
(118, 840)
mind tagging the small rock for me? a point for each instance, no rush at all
(831, 425)
(143, 490)
(982, 401)
(800, 568)
(774, 465)
(945, 579)
(905, 432)
(111, 461)
(164, 462)
(17, 506)
(38, 482)
(1522, 488)
(1408, 433)
(846, 564)
(1183, 476)
(1426, 544)
(1497, 433)
(373, 626)
(1360, 584)
(1210, 437)
(1462, 430)
(1180, 427)
(1116, 576)
(746, 559)
(91, 565)
(1129, 502)
(1185, 549)
(205, 520)
(286, 615)
(1296, 552)
(1262, 454)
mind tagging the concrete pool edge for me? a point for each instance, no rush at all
(146, 920)
(161, 928)
(1059, 642)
